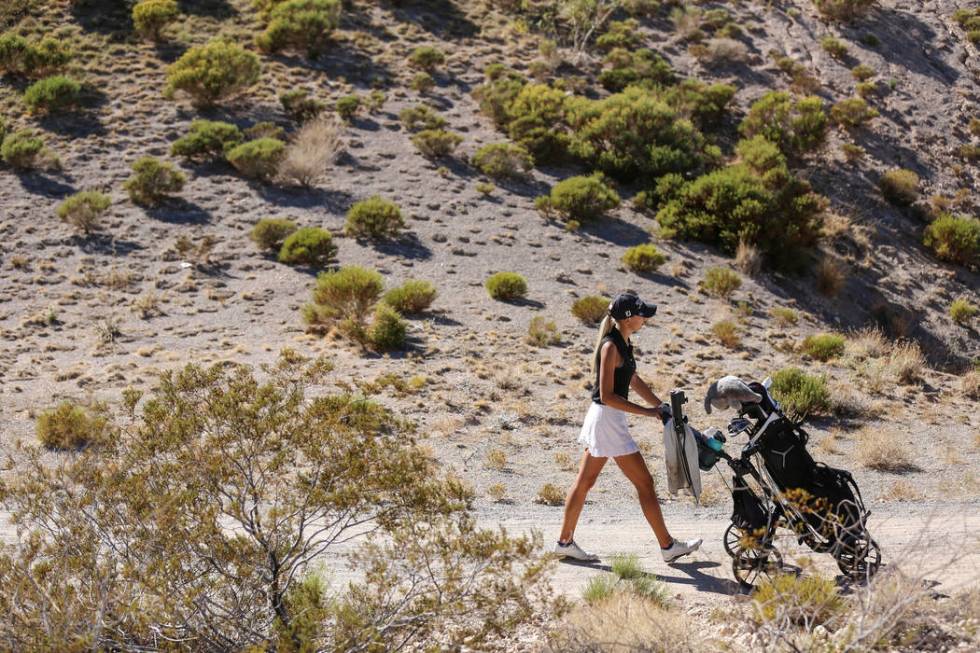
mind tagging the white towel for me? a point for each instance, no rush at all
(676, 478)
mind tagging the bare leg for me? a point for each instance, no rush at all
(636, 471)
(588, 472)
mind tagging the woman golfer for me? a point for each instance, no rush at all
(605, 432)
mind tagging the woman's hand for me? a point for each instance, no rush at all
(654, 412)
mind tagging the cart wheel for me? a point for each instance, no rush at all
(731, 539)
(749, 565)
(860, 559)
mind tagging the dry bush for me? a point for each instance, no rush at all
(880, 363)
(970, 384)
(727, 334)
(747, 258)
(550, 495)
(627, 623)
(497, 492)
(497, 459)
(902, 491)
(906, 362)
(880, 450)
(721, 51)
(312, 149)
(830, 277)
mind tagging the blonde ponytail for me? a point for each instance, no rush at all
(607, 324)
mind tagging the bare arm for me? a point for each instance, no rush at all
(609, 358)
(641, 388)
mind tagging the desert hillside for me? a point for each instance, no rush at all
(794, 186)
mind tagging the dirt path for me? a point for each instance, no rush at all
(941, 546)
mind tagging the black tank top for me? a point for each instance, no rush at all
(622, 374)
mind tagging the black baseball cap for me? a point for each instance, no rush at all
(627, 304)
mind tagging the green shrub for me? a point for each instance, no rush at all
(300, 25)
(388, 329)
(435, 143)
(83, 210)
(498, 92)
(634, 134)
(299, 106)
(503, 160)
(579, 198)
(823, 346)
(427, 58)
(70, 426)
(505, 286)
(705, 104)
(962, 311)
(899, 186)
(151, 16)
(374, 217)
(797, 126)
(800, 394)
(643, 258)
(862, 72)
(533, 116)
(36, 60)
(207, 140)
(542, 332)
(213, 72)
(347, 294)
(852, 112)
(258, 159)
(52, 94)
(412, 297)
(348, 106)
(308, 246)
(422, 82)
(590, 309)
(806, 600)
(954, 238)
(265, 129)
(834, 47)
(421, 117)
(598, 588)
(270, 233)
(761, 155)
(643, 67)
(25, 150)
(721, 282)
(620, 34)
(153, 181)
(844, 10)
(776, 212)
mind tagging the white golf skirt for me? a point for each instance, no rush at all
(605, 432)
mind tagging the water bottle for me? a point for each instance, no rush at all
(713, 438)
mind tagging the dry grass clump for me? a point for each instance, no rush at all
(805, 601)
(747, 258)
(894, 612)
(970, 384)
(830, 278)
(882, 451)
(497, 459)
(310, 152)
(497, 492)
(784, 316)
(627, 623)
(902, 491)
(727, 334)
(880, 363)
(550, 495)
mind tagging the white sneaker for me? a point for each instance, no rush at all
(679, 548)
(573, 550)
